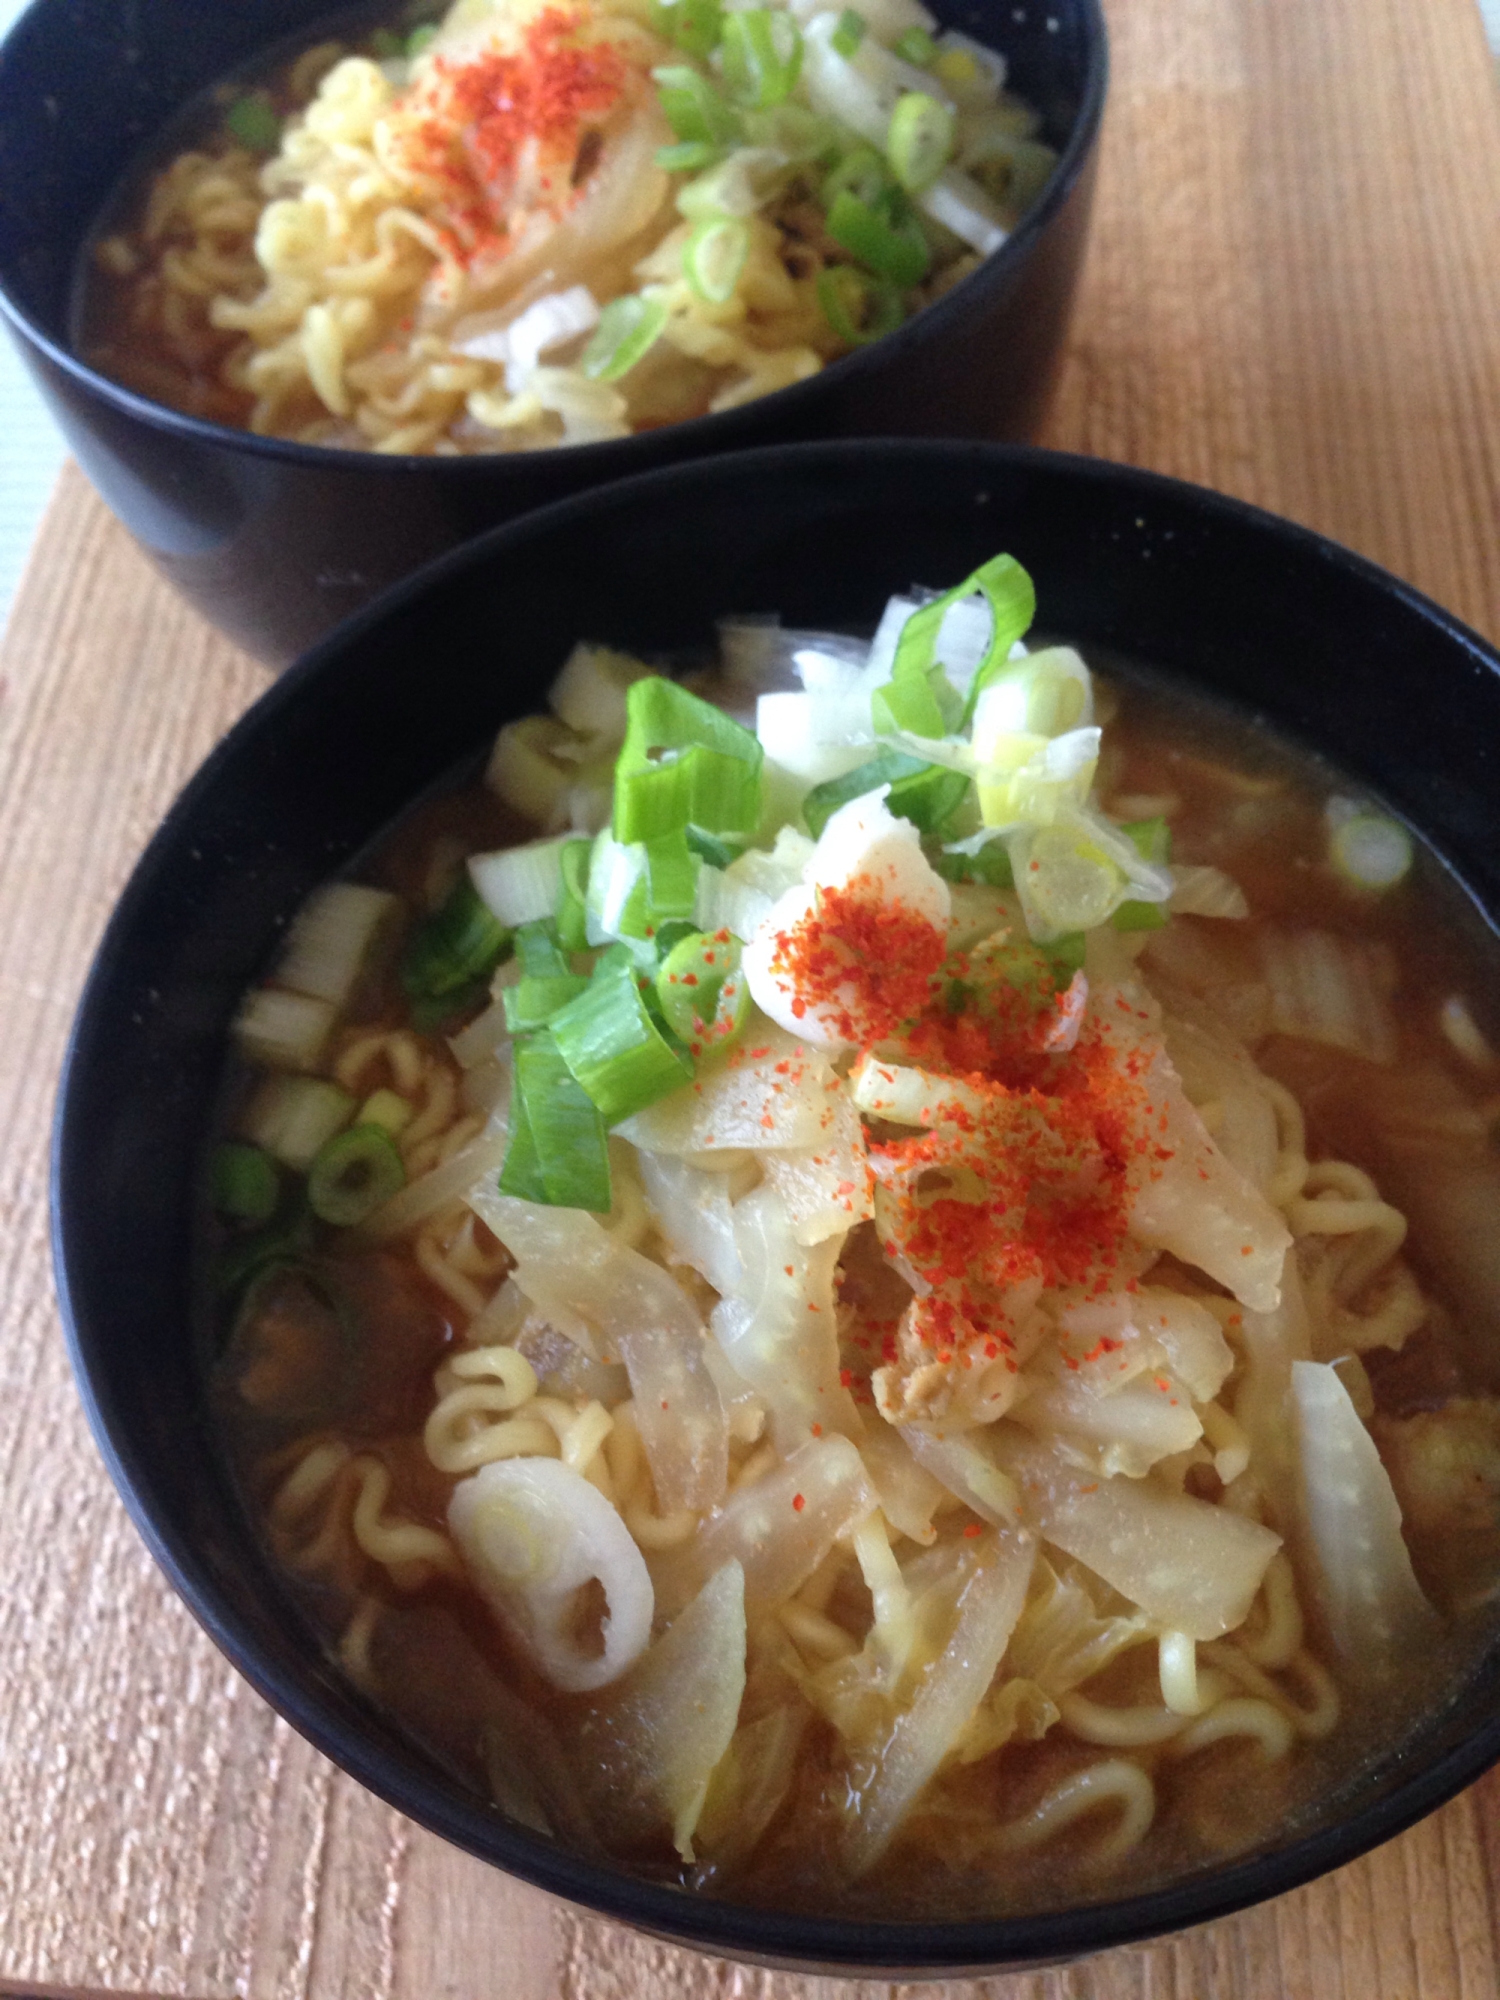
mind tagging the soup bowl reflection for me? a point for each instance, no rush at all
(275, 541)
(409, 688)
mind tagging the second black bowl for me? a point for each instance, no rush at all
(275, 542)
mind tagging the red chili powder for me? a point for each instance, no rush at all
(478, 112)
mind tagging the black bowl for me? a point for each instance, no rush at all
(1291, 628)
(276, 542)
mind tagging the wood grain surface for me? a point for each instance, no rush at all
(1293, 293)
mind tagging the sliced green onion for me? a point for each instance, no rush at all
(989, 864)
(420, 39)
(628, 329)
(540, 951)
(917, 47)
(254, 123)
(694, 26)
(762, 54)
(533, 1000)
(920, 140)
(572, 906)
(1371, 851)
(926, 794)
(709, 847)
(1152, 840)
(353, 1174)
(684, 763)
(859, 309)
(704, 999)
(460, 942)
(243, 1262)
(912, 704)
(693, 108)
(385, 43)
(849, 33)
(669, 935)
(609, 1041)
(558, 1151)
(795, 130)
(861, 172)
(671, 876)
(892, 248)
(245, 1182)
(1065, 955)
(688, 156)
(437, 1013)
(520, 884)
(714, 255)
(1012, 600)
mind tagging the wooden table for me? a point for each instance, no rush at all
(1293, 293)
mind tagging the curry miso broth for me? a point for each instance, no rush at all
(931, 1476)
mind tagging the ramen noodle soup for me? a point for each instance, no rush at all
(544, 222)
(860, 1282)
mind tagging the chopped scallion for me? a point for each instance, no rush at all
(420, 39)
(688, 156)
(920, 140)
(693, 108)
(849, 33)
(535, 998)
(702, 997)
(461, 942)
(245, 1183)
(859, 309)
(684, 763)
(612, 1046)
(917, 47)
(762, 55)
(572, 907)
(254, 123)
(884, 240)
(714, 255)
(694, 26)
(353, 1174)
(926, 794)
(628, 329)
(540, 951)
(558, 1152)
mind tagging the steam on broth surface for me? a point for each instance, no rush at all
(830, 1312)
(542, 222)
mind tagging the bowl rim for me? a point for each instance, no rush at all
(612, 458)
(777, 1937)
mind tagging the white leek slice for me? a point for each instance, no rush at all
(293, 1117)
(620, 1306)
(519, 885)
(590, 691)
(332, 940)
(779, 1529)
(1374, 1606)
(1206, 892)
(1046, 693)
(534, 1534)
(816, 737)
(283, 1030)
(950, 1691)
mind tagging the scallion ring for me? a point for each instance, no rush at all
(858, 308)
(762, 55)
(245, 1182)
(920, 140)
(353, 1174)
(714, 256)
(848, 35)
(628, 328)
(885, 241)
(693, 108)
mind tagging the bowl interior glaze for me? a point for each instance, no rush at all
(1266, 615)
(276, 541)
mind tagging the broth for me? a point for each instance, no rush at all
(525, 226)
(1055, 1786)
